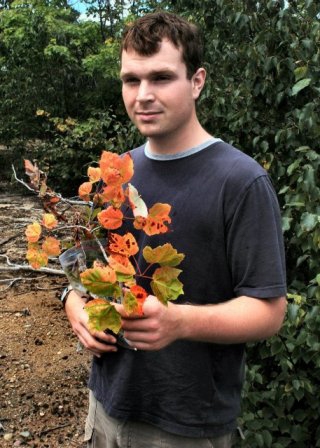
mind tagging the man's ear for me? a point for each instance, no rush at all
(198, 80)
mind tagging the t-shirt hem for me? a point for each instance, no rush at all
(180, 430)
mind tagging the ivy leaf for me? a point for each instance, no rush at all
(110, 218)
(165, 284)
(33, 232)
(137, 204)
(101, 281)
(103, 316)
(164, 255)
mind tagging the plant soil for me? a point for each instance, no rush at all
(43, 378)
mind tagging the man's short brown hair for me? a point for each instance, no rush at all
(145, 35)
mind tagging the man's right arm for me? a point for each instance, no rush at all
(96, 342)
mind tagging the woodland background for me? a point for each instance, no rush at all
(60, 103)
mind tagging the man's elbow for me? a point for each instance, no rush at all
(279, 305)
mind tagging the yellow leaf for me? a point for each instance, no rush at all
(33, 232)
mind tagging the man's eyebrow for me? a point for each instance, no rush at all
(153, 73)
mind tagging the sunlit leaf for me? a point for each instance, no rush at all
(116, 170)
(165, 284)
(85, 190)
(51, 246)
(110, 218)
(123, 244)
(138, 206)
(33, 232)
(103, 316)
(94, 174)
(101, 281)
(164, 255)
(302, 84)
(114, 195)
(49, 221)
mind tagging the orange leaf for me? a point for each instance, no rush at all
(51, 246)
(85, 190)
(156, 221)
(33, 172)
(33, 232)
(94, 174)
(121, 264)
(112, 194)
(123, 244)
(49, 221)
(116, 170)
(134, 300)
(37, 257)
(111, 218)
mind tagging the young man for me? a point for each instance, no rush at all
(181, 387)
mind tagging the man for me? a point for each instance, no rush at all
(181, 387)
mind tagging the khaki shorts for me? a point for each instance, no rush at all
(103, 431)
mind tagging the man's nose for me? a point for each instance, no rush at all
(145, 92)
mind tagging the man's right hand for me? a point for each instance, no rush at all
(97, 342)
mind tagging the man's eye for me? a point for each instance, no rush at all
(163, 78)
(130, 81)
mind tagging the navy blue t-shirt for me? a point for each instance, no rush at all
(226, 220)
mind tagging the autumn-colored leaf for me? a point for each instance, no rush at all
(156, 221)
(49, 221)
(164, 255)
(103, 316)
(85, 190)
(116, 170)
(114, 195)
(121, 263)
(123, 244)
(51, 246)
(94, 174)
(101, 281)
(138, 206)
(110, 218)
(134, 299)
(165, 284)
(33, 232)
(36, 257)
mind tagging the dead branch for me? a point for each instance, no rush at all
(54, 428)
(9, 238)
(24, 267)
(61, 198)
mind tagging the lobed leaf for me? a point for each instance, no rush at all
(165, 284)
(103, 316)
(110, 218)
(33, 232)
(101, 281)
(164, 255)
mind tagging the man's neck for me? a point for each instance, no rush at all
(176, 144)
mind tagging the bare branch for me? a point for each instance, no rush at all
(24, 267)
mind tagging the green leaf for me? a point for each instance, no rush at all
(103, 316)
(302, 84)
(165, 284)
(164, 255)
(309, 221)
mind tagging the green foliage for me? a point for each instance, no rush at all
(262, 95)
(71, 145)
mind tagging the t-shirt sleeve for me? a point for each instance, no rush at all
(255, 248)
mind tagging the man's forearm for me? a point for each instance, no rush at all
(243, 319)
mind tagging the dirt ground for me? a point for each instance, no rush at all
(43, 393)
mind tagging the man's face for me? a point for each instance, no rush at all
(158, 97)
